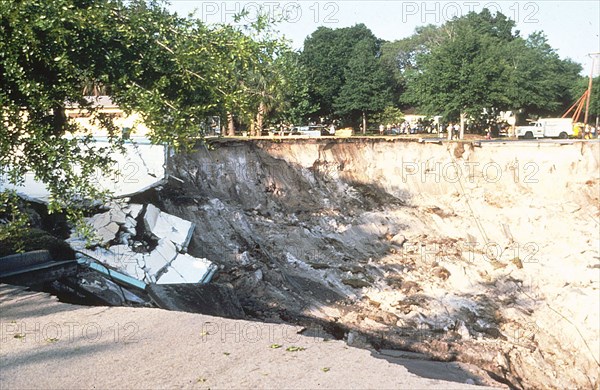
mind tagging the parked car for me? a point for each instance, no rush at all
(310, 131)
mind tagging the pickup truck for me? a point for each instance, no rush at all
(548, 127)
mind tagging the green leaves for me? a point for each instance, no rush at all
(327, 55)
(365, 88)
(478, 63)
(295, 349)
(173, 71)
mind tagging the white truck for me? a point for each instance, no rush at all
(548, 127)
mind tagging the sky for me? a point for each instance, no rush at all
(572, 27)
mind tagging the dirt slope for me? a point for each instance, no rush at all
(484, 254)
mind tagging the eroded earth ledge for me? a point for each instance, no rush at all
(482, 253)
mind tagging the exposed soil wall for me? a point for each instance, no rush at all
(482, 253)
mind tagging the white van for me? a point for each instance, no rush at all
(548, 127)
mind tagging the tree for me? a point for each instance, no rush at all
(365, 89)
(464, 73)
(293, 103)
(399, 58)
(390, 114)
(540, 81)
(326, 54)
(173, 71)
(480, 66)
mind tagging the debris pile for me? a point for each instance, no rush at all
(143, 243)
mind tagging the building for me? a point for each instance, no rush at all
(131, 125)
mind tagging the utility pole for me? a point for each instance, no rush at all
(589, 94)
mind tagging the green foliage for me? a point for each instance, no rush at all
(292, 102)
(390, 114)
(579, 88)
(326, 55)
(173, 71)
(13, 224)
(464, 73)
(399, 58)
(539, 82)
(365, 89)
(478, 63)
(48, 50)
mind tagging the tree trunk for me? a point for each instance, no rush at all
(260, 115)
(463, 118)
(230, 125)
(364, 123)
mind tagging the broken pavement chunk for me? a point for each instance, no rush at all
(117, 215)
(106, 225)
(187, 269)
(119, 257)
(130, 223)
(163, 225)
(162, 255)
(107, 233)
(133, 210)
(113, 215)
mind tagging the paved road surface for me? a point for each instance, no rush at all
(48, 344)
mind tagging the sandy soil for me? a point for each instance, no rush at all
(486, 254)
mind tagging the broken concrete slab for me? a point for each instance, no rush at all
(163, 225)
(99, 220)
(211, 299)
(134, 270)
(188, 269)
(130, 222)
(105, 289)
(101, 255)
(113, 215)
(107, 233)
(133, 210)
(119, 257)
(112, 274)
(160, 257)
(124, 256)
(118, 216)
(171, 276)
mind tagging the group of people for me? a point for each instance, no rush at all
(453, 130)
(404, 128)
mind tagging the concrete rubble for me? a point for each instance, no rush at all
(163, 225)
(186, 269)
(144, 243)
